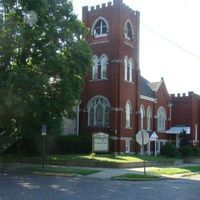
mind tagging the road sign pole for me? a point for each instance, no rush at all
(142, 137)
(143, 153)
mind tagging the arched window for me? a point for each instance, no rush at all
(98, 111)
(131, 66)
(128, 69)
(95, 68)
(104, 63)
(128, 30)
(149, 116)
(128, 109)
(100, 27)
(142, 115)
(161, 119)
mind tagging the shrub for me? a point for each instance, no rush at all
(25, 146)
(186, 151)
(184, 139)
(73, 144)
(169, 150)
(196, 151)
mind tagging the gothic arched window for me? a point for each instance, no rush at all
(149, 116)
(128, 69)
(98, 111)
(128, 109)
(95, 67)
(125, 67)
(161, 119)
(104, 63)
(128, 30)
(142, 115)
(100, 27)
(101, 62)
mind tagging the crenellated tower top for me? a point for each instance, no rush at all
(115, 3)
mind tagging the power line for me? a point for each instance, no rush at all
(170, 41)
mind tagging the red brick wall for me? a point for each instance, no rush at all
(163, 100)
(116, 47)
(186, 111)
(147, 104)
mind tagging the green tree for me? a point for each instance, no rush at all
(43, 59)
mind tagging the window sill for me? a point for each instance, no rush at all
(128, 38)
(128, 81)
(100, 36)
(94, 80)
(128, 128)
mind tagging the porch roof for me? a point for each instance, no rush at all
(153, 136)
(178, 130)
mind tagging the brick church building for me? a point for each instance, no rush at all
(116, 99)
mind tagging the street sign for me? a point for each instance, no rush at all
(142, 137)
(44, 130)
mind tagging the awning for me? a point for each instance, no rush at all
(178, 130)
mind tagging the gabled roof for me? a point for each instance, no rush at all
(145, 89)
(154, 85)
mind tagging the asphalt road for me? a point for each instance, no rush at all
(25, 187)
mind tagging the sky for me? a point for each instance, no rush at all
(169, 40)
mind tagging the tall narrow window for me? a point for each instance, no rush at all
(104, 62)
(142, 115)
(131, 65)
(128, 69)
(100, 28)
(161, 119)
(128, 110)
(128, 30)
(95, 67)
(149, 116)
(98, 111)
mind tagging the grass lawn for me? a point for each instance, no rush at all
(135, 177)
(175, 170)
(108, 158)
(58, 170)
(99, 158)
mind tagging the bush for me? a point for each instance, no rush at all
(73, 144)
(25, 146)
(186, 151)
(169, 150)
(196, 151)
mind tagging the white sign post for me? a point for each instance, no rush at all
(142, 138)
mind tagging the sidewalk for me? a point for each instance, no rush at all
(108, 173)
(105, 173)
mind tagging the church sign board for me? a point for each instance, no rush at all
(100, 142)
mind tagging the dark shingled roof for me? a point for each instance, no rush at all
(145, 89)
